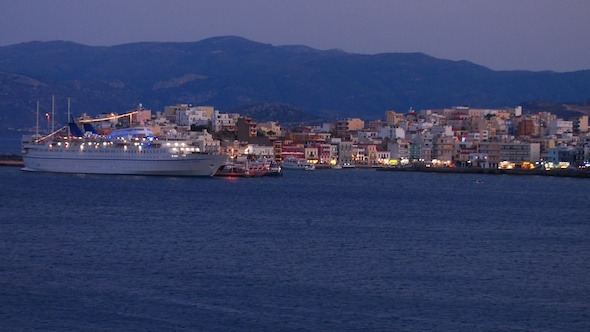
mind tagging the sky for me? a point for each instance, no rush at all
(499, 34)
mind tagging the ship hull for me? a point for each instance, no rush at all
(147, 162)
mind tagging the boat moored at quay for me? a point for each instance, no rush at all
(297, 164)
(132, 151)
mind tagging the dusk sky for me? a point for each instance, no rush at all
(499, 34)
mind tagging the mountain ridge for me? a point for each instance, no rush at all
(229, 72)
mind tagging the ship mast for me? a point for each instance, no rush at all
(69, 114)
(52, 113)
(37, 126)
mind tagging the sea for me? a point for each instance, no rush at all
(324, 250)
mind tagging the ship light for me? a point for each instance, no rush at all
(58, 143)
(175, 144)
(167, 144)
(174, 150)
(81, 146)
(104, 143)
(182, 144)
(125, 148)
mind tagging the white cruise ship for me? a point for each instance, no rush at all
(133, 151)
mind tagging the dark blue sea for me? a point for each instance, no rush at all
(10, 143)
(312, 251)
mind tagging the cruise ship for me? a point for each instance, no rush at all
(132, 151)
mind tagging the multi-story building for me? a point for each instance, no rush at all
(349, 124)
(393, 119)
(526, 127)
(271, 128)
(443, 148)
(400, 149)
(205, 142)
(224, 121)
(246, 129)
(512, 152)
(343, 151)
(383, 157)
(569, 155)
(312, 154)
(200, 115)
(580, 124)
(559, 127)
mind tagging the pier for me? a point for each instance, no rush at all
(11, 160)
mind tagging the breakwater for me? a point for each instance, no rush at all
(11, 160)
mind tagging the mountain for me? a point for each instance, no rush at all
(232, 72)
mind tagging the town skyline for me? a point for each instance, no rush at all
(464, 137)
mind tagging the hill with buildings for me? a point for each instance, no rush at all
(232, 73)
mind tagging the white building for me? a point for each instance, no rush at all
(399, 149)
(199, 115)
(560, 126)
(205, 142)
(391, 132)
(442, 131)
(223, 121)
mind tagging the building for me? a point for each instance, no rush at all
(349, 124)
(580, 124)
(200, 115)
(559, 127)
(393, 119)
(568, 155)
(391, 132)
(514, 153)
(526, 127)
(223, 121)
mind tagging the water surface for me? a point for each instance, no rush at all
(323, 250)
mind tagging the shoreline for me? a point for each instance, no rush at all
(14, 160)
(457, 170)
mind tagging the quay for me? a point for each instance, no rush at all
(471, 170)
(11, 160)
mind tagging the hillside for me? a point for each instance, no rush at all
(232, 72)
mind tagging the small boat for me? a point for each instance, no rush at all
(337, 166)
(240, 170)
(274, 170)
(298, 164)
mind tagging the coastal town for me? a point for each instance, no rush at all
(456, 137)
